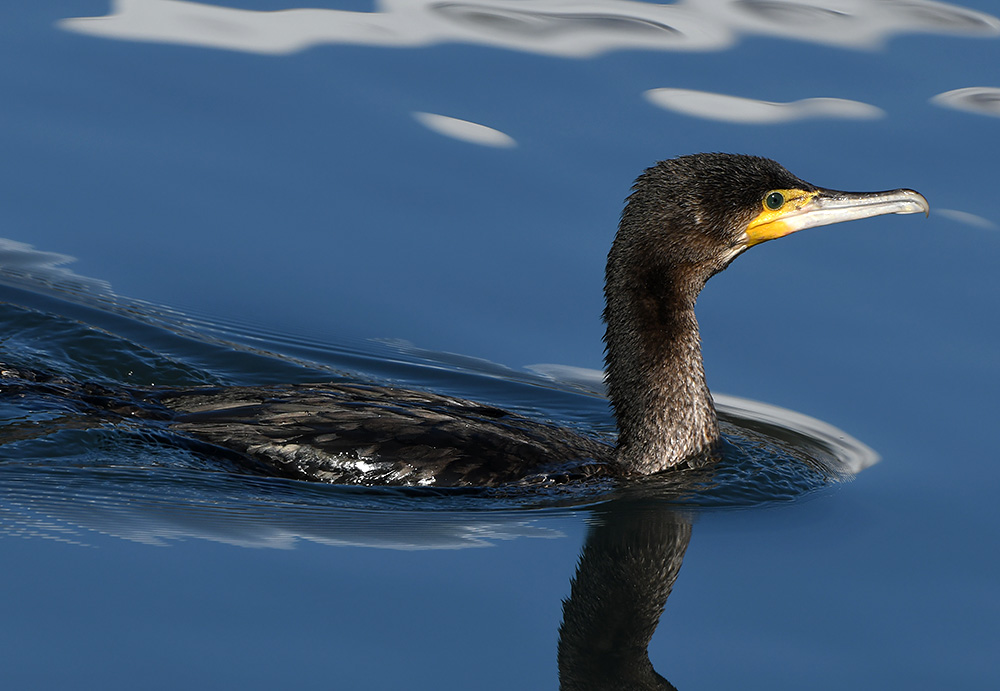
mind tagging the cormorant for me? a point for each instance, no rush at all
(686, 219)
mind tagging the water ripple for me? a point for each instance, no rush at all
(727, 108)
(465, 131)
(550, 27)
(983, 100)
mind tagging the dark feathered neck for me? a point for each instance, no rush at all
(654, 370)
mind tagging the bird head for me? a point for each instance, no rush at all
(697, 213)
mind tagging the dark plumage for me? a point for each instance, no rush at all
(362, 434)
(684, 222)
(686, 219)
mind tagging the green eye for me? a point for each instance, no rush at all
(774, 201)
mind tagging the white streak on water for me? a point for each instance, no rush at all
(713, 106)
(982, 100)
(465, 131)
(853, 454)
(567, 28)
(967, 218)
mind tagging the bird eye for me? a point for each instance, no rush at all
(774, 201)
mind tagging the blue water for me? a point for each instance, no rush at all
(216, 205)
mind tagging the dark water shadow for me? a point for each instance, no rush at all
(628, 566)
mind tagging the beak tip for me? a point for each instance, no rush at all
(911, 202)
(921, 202)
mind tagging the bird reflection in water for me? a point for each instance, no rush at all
(629, 563)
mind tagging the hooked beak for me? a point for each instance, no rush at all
(808, 209)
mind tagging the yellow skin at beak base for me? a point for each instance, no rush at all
(770, 224)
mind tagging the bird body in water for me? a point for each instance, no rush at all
(686, 219)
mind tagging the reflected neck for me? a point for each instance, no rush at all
(628, 567)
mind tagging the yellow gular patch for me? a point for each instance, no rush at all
(775, 206)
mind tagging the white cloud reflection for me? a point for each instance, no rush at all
(68, 504)
(705, 104)
(984, 100)
(465, 131)
(21, 263)
(567, 28)
(967, 218)
(851, 455)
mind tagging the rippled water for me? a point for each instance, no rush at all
(769, 454)
(422, 194)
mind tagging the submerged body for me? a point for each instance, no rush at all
(686, 220)
(374, 435)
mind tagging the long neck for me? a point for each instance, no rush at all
(654, 371)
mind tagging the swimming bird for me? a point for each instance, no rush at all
(685, 220)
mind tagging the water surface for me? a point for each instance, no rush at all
(198, 194)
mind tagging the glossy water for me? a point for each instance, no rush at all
(262, 197)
